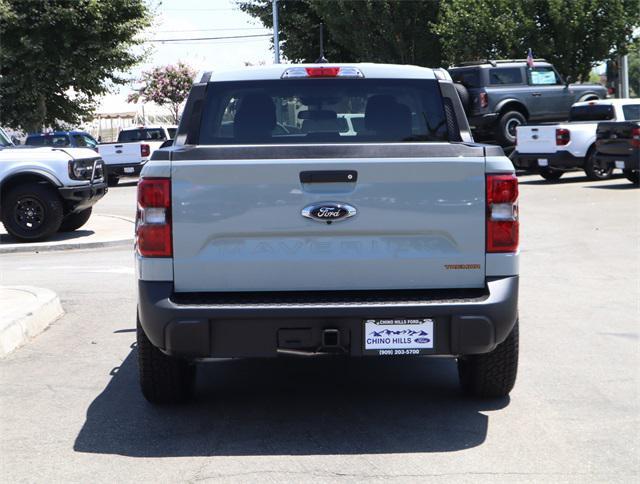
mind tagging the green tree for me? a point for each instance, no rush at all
(57, 56)
(355, 31)
(573, 34)
(166, 86)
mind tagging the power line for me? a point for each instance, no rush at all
(210, 38)
(210, 30)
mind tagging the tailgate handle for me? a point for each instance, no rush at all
(337, 176)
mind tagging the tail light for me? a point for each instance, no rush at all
(322, 71)
(484, 100)
(635, 137)
(563, 136)
(153, 218)
(145, 150)
(502, 213)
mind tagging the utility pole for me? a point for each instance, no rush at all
(276, 43)
(624, 76)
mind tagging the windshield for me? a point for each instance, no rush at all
(58, 140)
(4, 139)
(591, 112)
(631, 112)
(469, 78)
(315, 110)
(142, 134)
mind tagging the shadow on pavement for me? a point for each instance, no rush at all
(292, 407)
(57, 237)
(620, 186)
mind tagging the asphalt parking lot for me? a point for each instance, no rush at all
(76, 413)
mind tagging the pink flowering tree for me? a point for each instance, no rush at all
(166, 86)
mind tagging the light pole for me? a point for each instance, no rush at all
(276, 44)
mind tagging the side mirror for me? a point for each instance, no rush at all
(568, 80)
(167, 143)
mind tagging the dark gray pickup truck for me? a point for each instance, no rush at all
(508, 93)
(618, 146)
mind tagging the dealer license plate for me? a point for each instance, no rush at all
(620, 164)
(398, 336)
(543, 162)
(128, 170)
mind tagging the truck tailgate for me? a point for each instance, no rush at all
(615, 138)
(536, 139)
(120, 153)
(238, 224)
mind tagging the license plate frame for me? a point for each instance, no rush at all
(398, 336)
(129, 169)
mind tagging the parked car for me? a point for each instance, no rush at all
(618, 145)
(134, 148)
(46, 190)
(400, 239)
(505, 94)
(62, 139)
(556, 148)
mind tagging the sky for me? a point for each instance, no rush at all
(190, 19)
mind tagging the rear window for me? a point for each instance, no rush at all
(591, 112)
(142, 134)
(631, 112)
(512, 75)
(48, 140)
(466, 77)
(314, 111)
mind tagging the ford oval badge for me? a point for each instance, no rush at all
(328, 212)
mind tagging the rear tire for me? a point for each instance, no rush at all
(74, 221)
(507, 125)
(112, 180)
(491, 375)
(32, 212)
(163, 378)
(550, 175)
(593, 169)
(632, 176)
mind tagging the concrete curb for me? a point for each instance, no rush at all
(26, 312)
(47, 246)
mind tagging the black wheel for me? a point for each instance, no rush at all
(163, 378)
(74, 221)
(112, 180)
(593, 169)
(491, 375)
(507, 125)
(632, 176)
(550, 175)
(32, 212)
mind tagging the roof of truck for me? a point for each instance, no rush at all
(369, 71)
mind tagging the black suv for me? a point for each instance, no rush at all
(503, 94)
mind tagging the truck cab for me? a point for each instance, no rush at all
(398, 237)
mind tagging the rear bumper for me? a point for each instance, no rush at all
(83, 196)
(628, 162)
(559, 160)
(483, 121)
(125, 169)
(223, 325)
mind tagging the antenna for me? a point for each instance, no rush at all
(321, 59)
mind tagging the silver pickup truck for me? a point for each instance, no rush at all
(397, 239)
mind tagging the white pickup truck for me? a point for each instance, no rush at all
(555, 148)
(134, 148)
